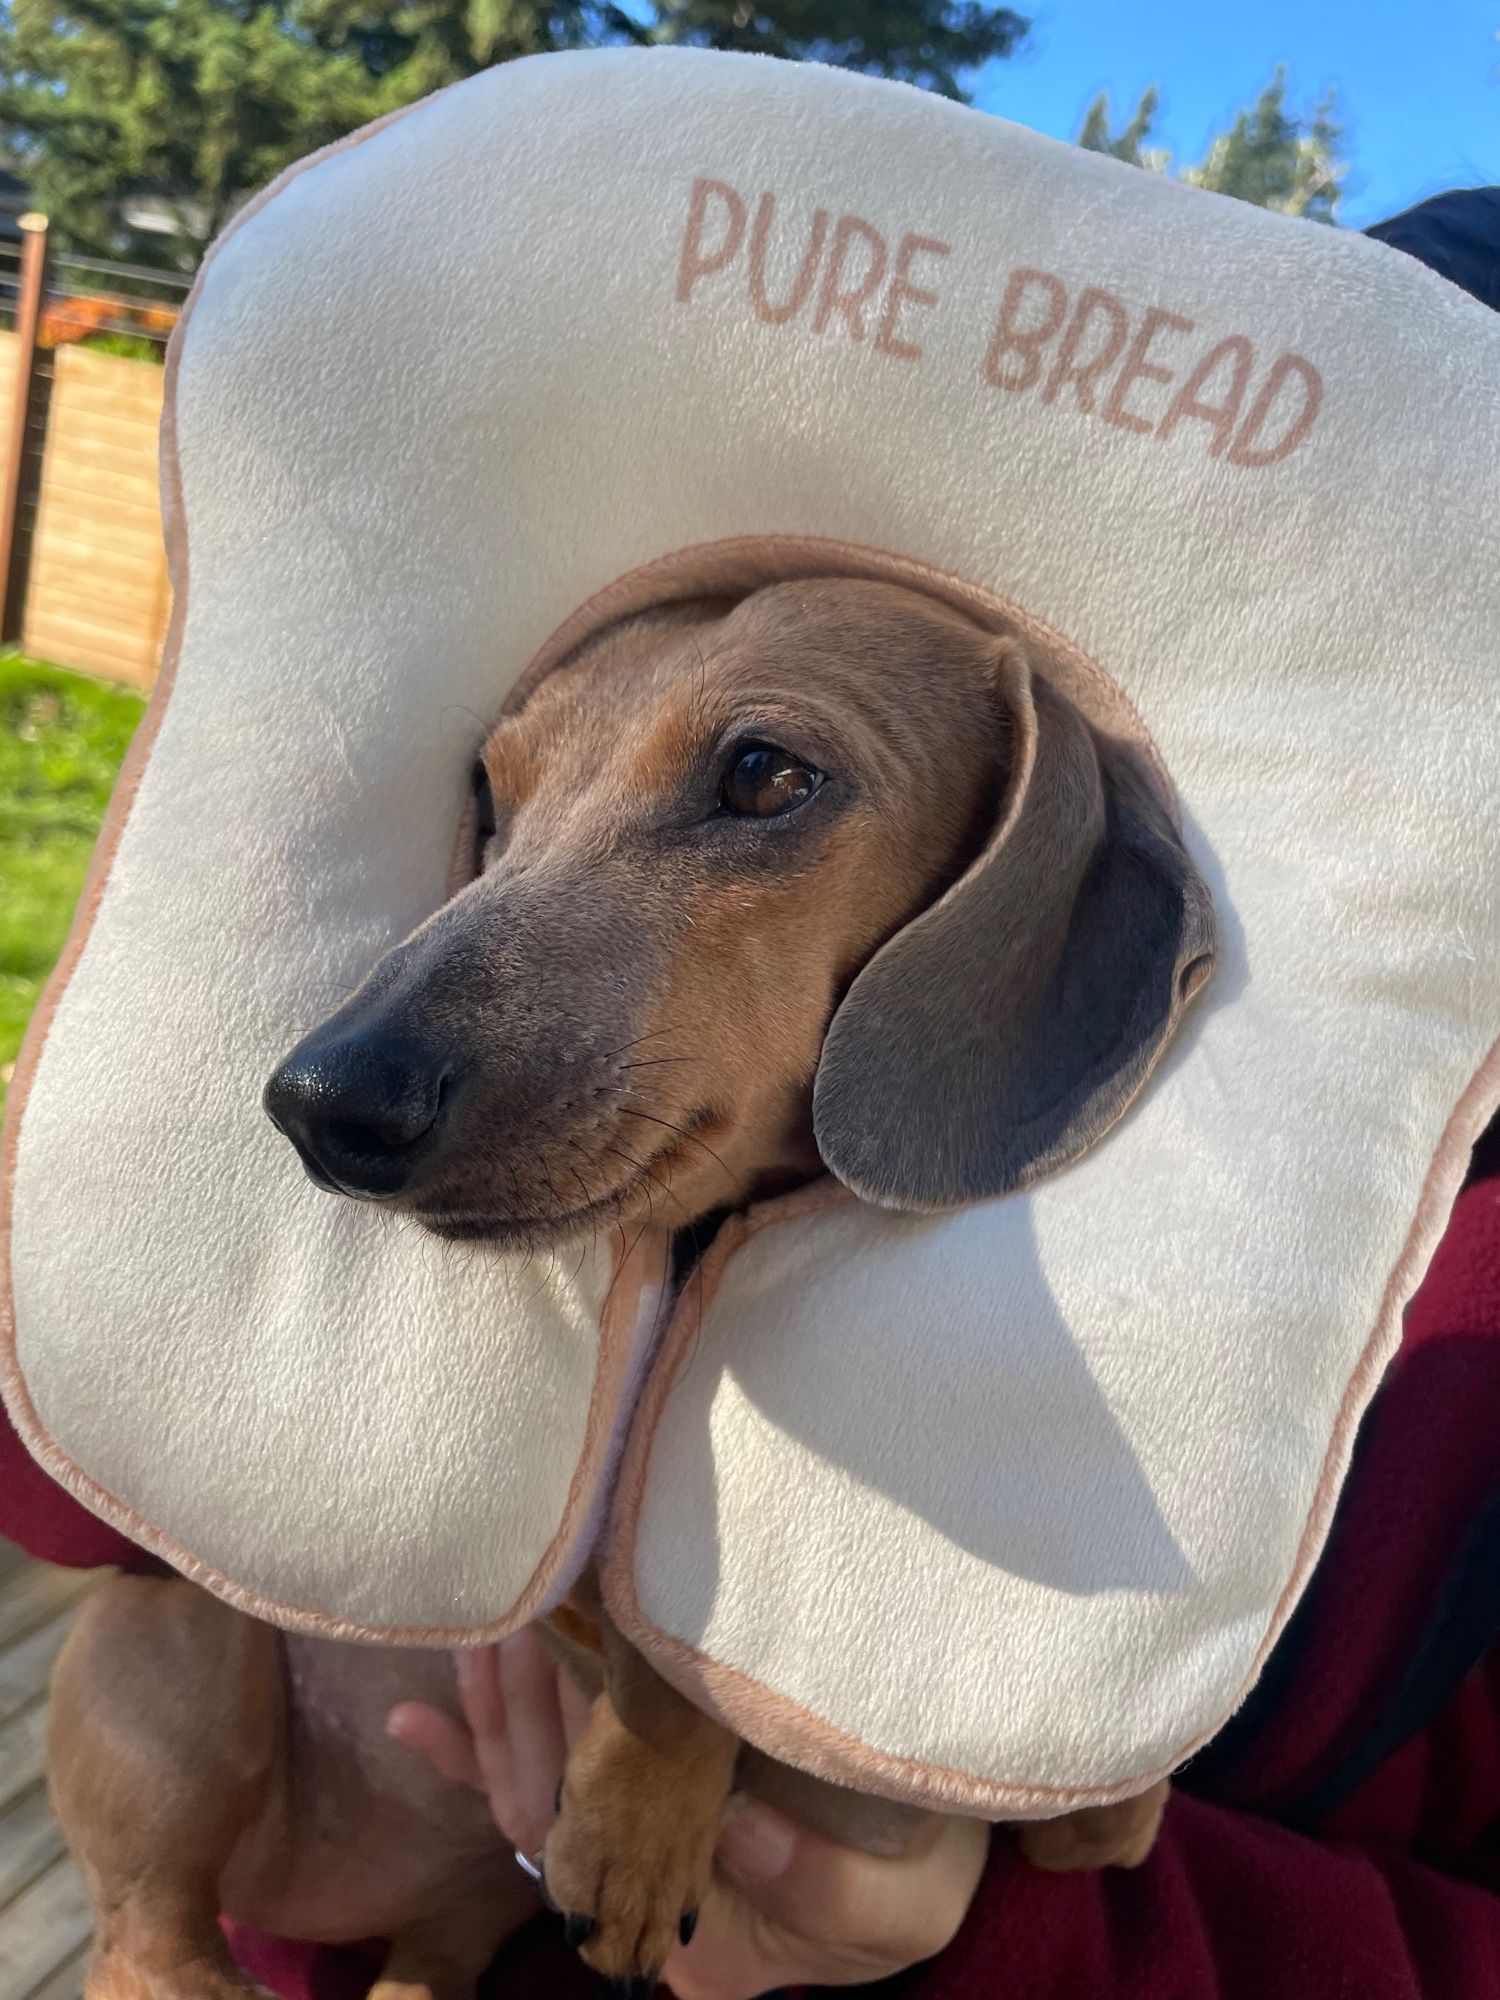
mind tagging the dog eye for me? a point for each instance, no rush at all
(764, 782)
(484, 801)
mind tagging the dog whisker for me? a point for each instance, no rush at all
(592, 1246)
(734, 1180)
(652, 1035)
(458, 708)
(643, 1167)
(558, 1209)
(636, 1242)
(546, 1277)
(588, 1199)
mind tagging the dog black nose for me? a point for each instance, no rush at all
(362, 1110)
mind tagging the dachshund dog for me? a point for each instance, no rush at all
(827, 879)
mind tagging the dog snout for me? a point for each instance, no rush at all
(363, 1109)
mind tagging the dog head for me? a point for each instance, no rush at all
(828, 877)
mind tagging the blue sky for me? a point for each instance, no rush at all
(1418, 84)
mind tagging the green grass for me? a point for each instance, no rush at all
(126, 346)
(62, 737)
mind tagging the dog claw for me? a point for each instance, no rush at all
(688, 1925)
(577, 1929)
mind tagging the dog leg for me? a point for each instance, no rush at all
(629, 1858)
(165, 1722)
(443, 1958)
(1114, 1836)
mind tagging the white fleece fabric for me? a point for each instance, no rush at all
(1001, 1508)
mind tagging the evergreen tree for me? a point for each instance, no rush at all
(181, 106)
(1270, 155)
(1128, 143)
(1277, 160)
(188, 105)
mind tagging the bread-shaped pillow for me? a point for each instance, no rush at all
(1001, 1506)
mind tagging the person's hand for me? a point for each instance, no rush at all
(787, 1908)
(522, 1713)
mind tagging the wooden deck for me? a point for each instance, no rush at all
(44, 1921)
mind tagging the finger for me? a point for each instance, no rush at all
(483, 1701)
(477, 1669)
(797, 1910)
(446, 1744)
(536, 1739)
(735, 1954)
(738, 1954)
(848, 1905)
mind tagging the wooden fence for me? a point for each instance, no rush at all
(97, 594)
(85, 567)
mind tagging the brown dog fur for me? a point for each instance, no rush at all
(637, 993)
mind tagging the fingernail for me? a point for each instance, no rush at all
(757, 1844)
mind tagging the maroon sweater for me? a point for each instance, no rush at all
(1341, 1837)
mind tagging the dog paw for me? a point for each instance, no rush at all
(629, 1889)
(1114, 1836)
(628, 1860)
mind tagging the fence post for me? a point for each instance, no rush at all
(13, 499)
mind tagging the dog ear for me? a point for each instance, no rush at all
(1008, 1026)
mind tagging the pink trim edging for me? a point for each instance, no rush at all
(622, 1305)
(736, 565)
(783, 1728)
